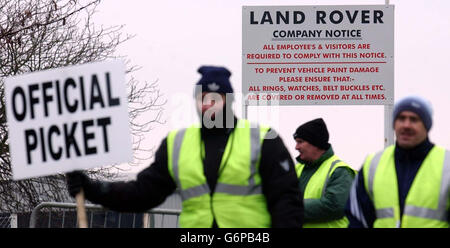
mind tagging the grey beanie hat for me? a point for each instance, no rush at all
(418, 105)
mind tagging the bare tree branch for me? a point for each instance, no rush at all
(41, 34)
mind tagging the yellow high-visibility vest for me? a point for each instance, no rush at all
(316, 186)
(237, 200)
(427, 202)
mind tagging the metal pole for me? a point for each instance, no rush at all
(388, 128)
(120, 217)
(63, 218)
(13, 221)
(245, 110)
(49, 219)
(106, 218)
(388, 121)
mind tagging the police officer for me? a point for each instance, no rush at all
(406, 184)
(227, 173)
(324, 178)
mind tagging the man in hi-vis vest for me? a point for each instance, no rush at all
(324, 178)
(406, 184)
(227, 171)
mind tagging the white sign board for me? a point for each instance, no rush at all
(68, 118)
(303, 55)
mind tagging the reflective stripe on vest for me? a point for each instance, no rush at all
(316, 188)
(250, 189)
(237, 200)
(329, 175)
(299, 169)
(438, 214)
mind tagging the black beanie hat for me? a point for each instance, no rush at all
(214, 79)
(315, 132)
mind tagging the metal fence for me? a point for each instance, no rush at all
(44, 215)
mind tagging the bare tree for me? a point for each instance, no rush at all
(41, 34)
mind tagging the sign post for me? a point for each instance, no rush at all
(67, 119)
(81, 210)
(388, 122)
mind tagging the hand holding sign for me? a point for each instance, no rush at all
(76, 182)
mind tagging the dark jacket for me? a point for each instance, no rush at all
(360, 209)
(331, 206)
(154, 184)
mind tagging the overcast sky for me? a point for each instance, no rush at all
(174, 38)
